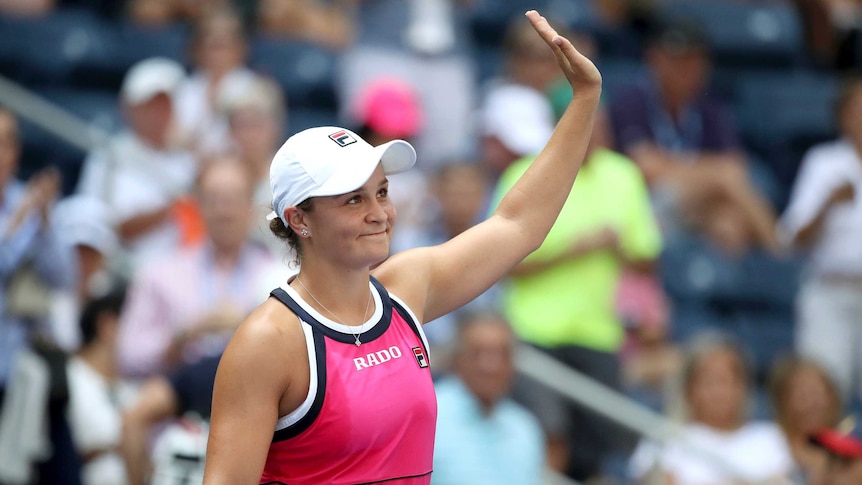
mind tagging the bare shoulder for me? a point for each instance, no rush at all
(407, 275)
(269, 339)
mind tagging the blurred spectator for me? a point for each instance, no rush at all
(321, 22)
(97, 395)
(687, 146)
(824, 216)
(806, 401)
(186, 391)
(32, 256)
(32, 260)
(426, 44)
(141, 174)
(483, 437)
(833, 31)
(650, 361)
(561, 298)
(27, 8)
(844, 449)
(718, 444)
(194, 10)
(188, 303)
(219, 51)
(83, 224)
(152, 13)
(256, 117)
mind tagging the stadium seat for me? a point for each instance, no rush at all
(689, 319)
(745, 33)
(776, 106)
(41, 148)
(782, 114)
(692, 271)
(768, 335)
(46, 51)
(126, 45)
(300, 118)
(305, 71)
(489, 19)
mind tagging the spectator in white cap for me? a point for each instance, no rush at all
(329, 381)
(517, 121)
(517, 118)
(84, 227)
(141, 173)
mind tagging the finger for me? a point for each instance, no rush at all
(544, 29)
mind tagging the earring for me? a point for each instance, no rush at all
(304, 232)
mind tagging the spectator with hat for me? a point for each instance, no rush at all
(84, 227)
(141, 173)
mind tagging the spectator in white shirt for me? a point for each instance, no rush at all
(97, 395)
(219, 53)
(140, 174)
(718, 445)
(824, 217)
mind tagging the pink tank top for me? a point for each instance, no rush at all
(371, 410)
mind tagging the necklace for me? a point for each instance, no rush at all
(341, 320)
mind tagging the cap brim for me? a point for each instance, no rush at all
(396, 156)
(837, 443)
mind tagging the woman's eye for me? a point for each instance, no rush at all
(383, 193)
(354, 200)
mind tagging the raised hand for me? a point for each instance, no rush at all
(581, 73)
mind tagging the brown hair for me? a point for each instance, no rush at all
(281, 231)
(781, 375)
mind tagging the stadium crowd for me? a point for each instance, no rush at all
(707, 264)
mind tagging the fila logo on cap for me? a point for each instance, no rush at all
(420, 357)
(343, 138)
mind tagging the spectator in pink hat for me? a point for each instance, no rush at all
(388, 109)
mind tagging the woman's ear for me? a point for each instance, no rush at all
(296, 221)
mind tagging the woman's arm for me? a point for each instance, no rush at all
(252, 376)
(439, 279)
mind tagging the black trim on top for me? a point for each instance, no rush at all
(413, 326)
(395, 478)
(365, 483)
(320, 356)
(347, 338)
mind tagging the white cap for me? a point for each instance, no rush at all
(151, 77)
(82, 220)
(520, 117)
(328, 160)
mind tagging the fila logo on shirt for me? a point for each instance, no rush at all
(342, 138)
(377, 358)
(421, 359)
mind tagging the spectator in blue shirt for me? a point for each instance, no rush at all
(483, 437)
(32, 260)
